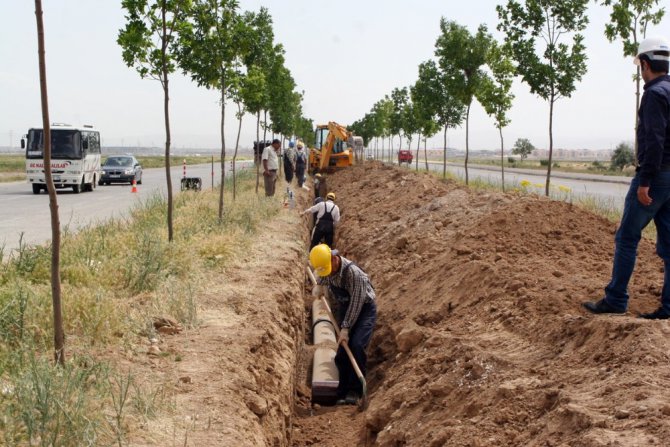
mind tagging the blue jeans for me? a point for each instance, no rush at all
(359, 338)
(635, 218)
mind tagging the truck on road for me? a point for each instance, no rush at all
(405, 156)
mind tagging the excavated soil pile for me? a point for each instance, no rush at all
(481, 338)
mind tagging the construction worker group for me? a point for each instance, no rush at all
(348, 288)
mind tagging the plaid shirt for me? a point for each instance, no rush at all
(356, 282)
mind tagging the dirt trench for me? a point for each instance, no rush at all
(481, 338)
(480, 341)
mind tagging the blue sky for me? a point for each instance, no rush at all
(345, 55)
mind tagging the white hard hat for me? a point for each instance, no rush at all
(651, 47)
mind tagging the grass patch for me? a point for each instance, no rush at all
(116, 277)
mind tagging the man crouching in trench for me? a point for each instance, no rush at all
(356, 314)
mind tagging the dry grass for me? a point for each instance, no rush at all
(115, 278)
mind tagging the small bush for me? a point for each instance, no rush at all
(544, 162)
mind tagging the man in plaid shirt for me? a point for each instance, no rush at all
(356, 314)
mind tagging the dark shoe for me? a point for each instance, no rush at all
(351, 399)
(658, 314)
(601, 307)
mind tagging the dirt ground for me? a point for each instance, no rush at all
(481, 339)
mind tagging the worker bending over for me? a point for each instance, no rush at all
(356, 314)
(327, 217)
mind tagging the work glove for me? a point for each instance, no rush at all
(318, 291)
(344, 336)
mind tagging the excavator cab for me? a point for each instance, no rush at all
(332, 148)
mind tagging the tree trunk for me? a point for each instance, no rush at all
(257, 158)
(223, 147)
(467, 140)
(237, 145)
(502, 158)
(166, 112)
(444, 153)
(425, 152)
(551, 144)
(59, 333)
(382, 151)
(418, 149)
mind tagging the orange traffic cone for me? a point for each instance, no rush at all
(134, 186)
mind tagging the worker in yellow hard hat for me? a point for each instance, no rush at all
(327, 218)
(356, 313)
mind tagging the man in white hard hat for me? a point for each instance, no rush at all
(649, 194)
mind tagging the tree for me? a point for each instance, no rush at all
(149, 43)
(553, 73)
(523, 148)
(210, 50)
(461, 57)
(259, 57)
(59, 333)
(425, 105)
(399, 97)
(449, 109)
(627, 19)
(495, 94)
(622, 156)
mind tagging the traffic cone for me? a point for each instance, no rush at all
(134, 186)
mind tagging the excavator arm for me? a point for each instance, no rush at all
(335, 131)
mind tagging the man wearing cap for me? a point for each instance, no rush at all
(327, 217)
(270, 166)
(649, 194)
(356, 314)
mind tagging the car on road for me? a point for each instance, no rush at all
(121, 169)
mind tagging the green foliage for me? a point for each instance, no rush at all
(523, 148)
(630, 19)
(597, 166)
(448, 108)
(399, 98)
(622, 156)
(495, 93)
(544, 162)
(461, 57)
(552, 72)
(148, 41)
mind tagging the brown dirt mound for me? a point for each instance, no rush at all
(481, 338)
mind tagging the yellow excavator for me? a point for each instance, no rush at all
(334, 147)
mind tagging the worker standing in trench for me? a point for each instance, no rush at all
(327, 217)
(356, 314)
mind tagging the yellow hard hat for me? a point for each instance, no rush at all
(330, 196)
(319, 257)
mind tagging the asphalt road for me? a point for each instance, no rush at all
(25, 217)
(608, 189)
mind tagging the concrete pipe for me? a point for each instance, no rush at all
(325, 377)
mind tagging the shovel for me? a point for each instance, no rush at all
(363, 403)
